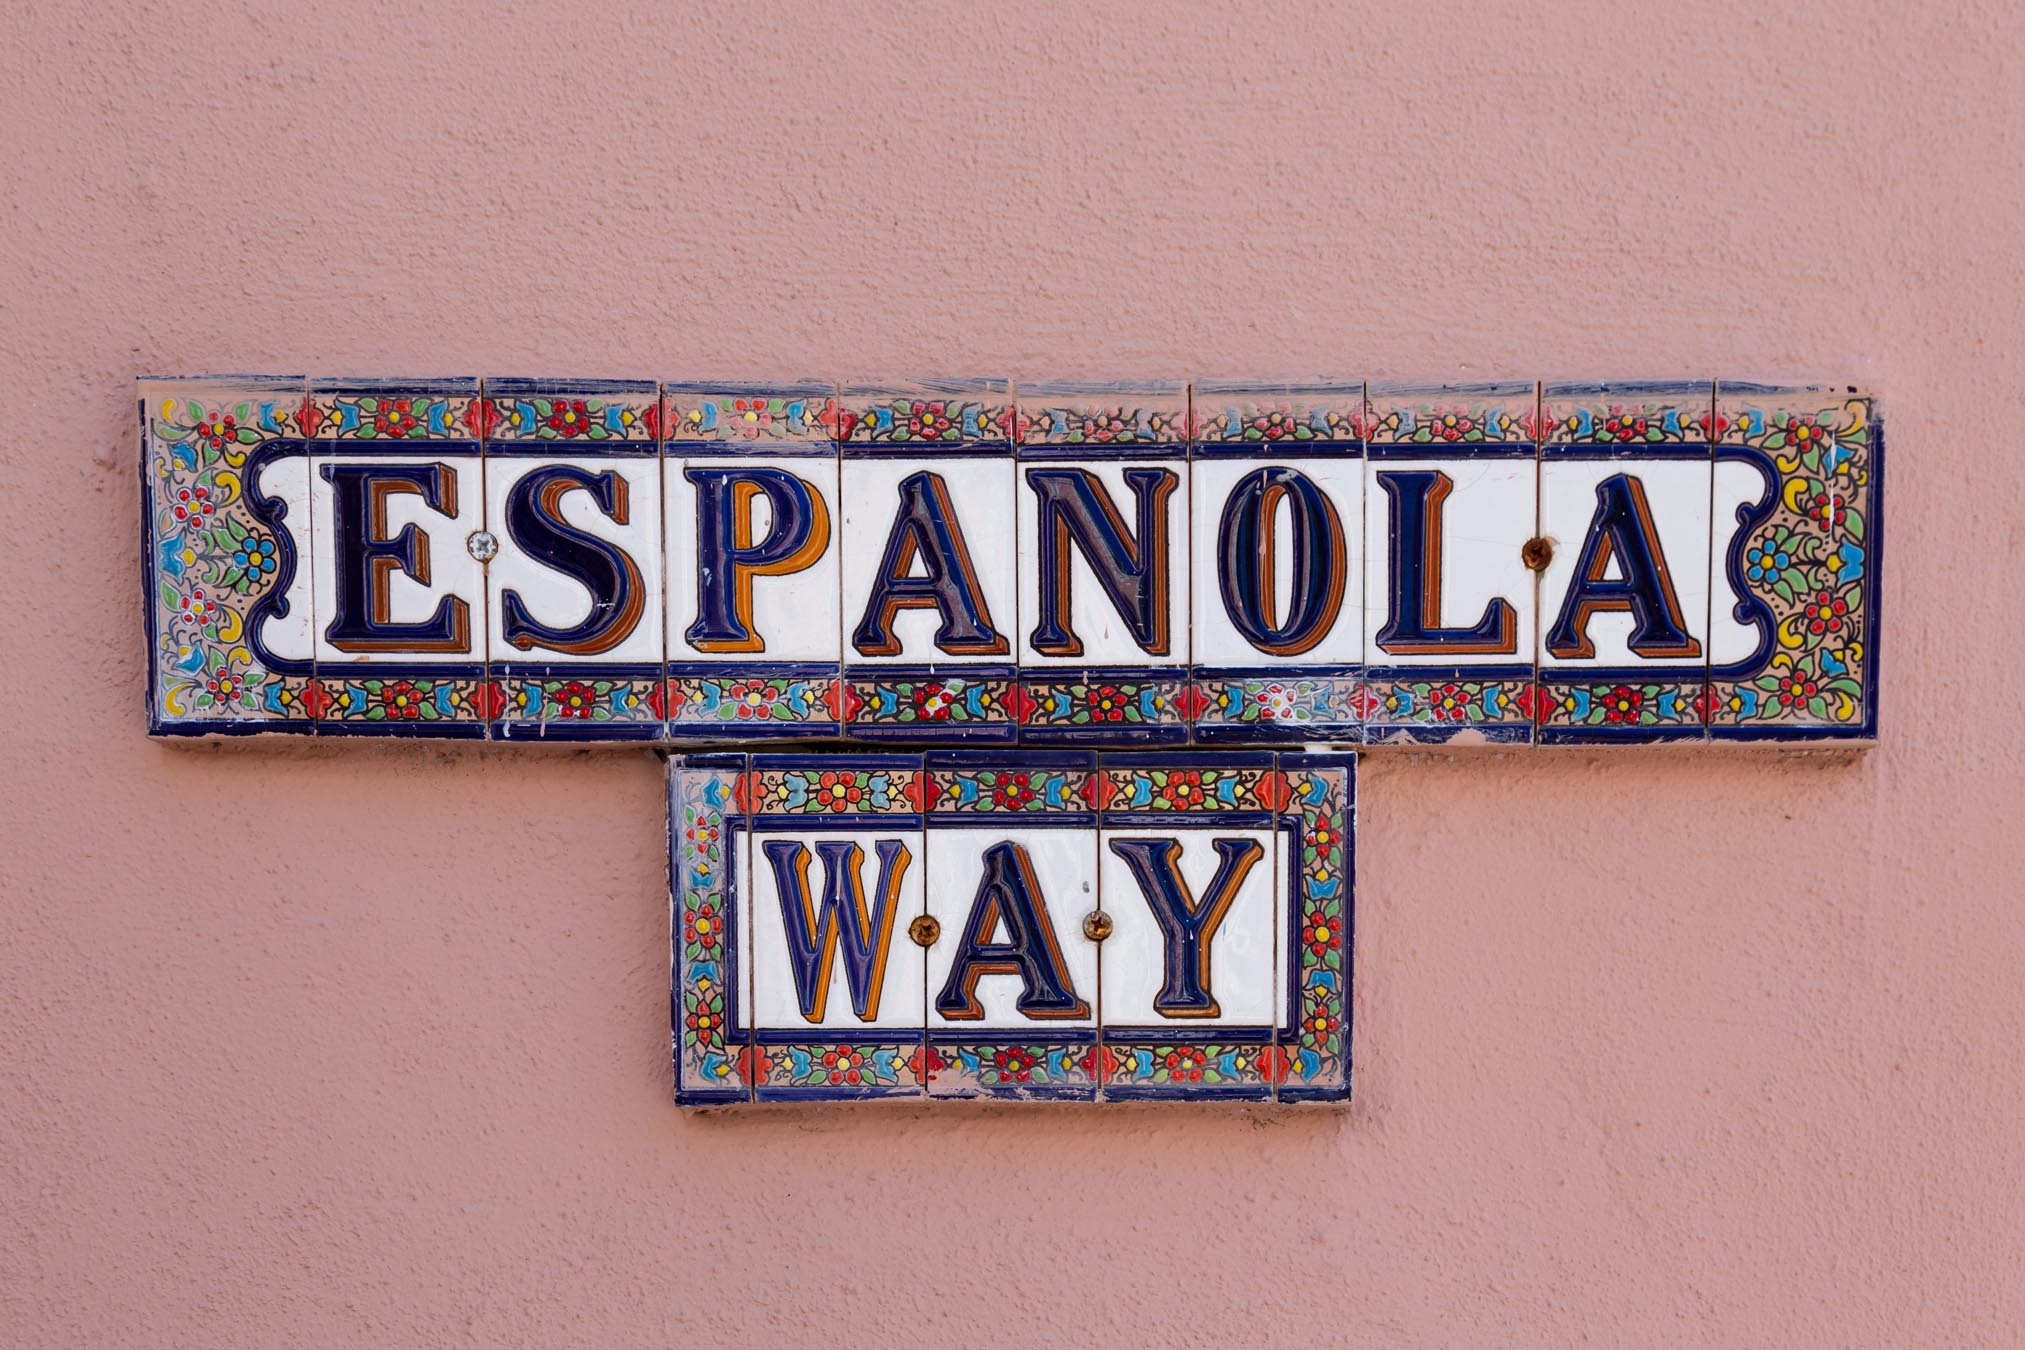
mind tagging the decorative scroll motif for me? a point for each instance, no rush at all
(1807, 554)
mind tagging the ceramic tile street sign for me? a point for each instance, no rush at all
(1049, 566)
(1033, 925)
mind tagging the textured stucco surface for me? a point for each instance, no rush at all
(335, 1045)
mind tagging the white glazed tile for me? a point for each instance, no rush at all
(452, 571)
(1064, 866)
(1105, 638)
(794, 614)
(978, 487)
(1241, 953)
(1737, 484)
(1487, 518)
(776, 1000)
(1676, 492)
(553, 598)
(292, 636)
(1217, 640)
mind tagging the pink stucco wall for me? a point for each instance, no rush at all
(358, 1044)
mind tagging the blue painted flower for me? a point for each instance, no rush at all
(1766, 559)
(1847, 564)
(255, 556)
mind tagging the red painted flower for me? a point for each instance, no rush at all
(1829, 509)
(751, 416)
(1273, 425)
(394, 417)
(704, 1022)
(932, 702)
(1183, 790)
(1102, 427)
(573, 698)
(568, 417)
(702, 927)
(401, 699)
(1453, 427)
(1622, 704)
(1449, 703)
(218, 429)
(1825, 613)
(701, 833)
(754, 1063)
(225, 685)
(1321, 933)
(1795, 688)
(1106, 704)
(1184, 1064)
(1317, 1025)
(194, 506)
(753, 699)
(1624, 427)
(197, 608)
(1015, 1064)
(838, 791)
(1713, 426)
(1275, 1062)
(1012, 790)
(929, 421)
(844, 1065)
(1805, 433)
(657, 698)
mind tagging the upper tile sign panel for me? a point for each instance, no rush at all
(1050, 566)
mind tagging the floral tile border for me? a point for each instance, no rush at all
(1809, 555)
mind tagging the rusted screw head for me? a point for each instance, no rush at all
(1537, 553)
(482, 545)
(1097, 925)
(924, 930)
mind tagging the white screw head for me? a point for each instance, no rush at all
(483, 545)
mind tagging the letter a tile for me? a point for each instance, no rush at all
(1624, 603)
(928, 559)
(1012, 975)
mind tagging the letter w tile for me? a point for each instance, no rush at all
(813, 932)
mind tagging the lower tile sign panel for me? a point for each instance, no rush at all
(1022, 925)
